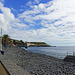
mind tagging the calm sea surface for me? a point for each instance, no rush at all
(58, 52)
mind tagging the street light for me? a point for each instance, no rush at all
(2, 52)
(1, 39)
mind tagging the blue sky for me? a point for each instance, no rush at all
(50, 21)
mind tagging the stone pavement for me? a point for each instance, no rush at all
(12, 67)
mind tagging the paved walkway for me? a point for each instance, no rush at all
(12, 67)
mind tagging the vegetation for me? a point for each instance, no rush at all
(5, 39)
(6, 36)
(21, 41)
(14, 41)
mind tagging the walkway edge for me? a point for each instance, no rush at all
(12, 67)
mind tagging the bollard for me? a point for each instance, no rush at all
(2, 52)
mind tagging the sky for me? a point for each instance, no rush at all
(50, 21)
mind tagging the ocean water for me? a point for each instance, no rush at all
(58, 52)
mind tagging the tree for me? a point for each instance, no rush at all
(6, 39)
(21, 42)
(6, 36)
(14, 41)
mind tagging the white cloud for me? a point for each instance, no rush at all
(1, 5)
(33, 2)
(9, 15)
(57, 15)
(56, 18)
(8, 22)
(6, 18)
(29, 3)
(1, 0)
(37, 1)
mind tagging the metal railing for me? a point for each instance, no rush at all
(71, 53)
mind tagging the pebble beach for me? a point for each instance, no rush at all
(38, 64)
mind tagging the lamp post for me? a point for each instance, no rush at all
(2, 52)
(1, 39)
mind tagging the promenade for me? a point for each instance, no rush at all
(11, 66)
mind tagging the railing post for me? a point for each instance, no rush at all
(73, 53)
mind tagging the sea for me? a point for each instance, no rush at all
(59, 51)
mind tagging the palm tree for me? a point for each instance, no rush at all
(6, 38)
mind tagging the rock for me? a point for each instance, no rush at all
(39, 64)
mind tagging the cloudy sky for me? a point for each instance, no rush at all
(50, 21)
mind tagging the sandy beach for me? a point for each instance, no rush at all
(39, 64)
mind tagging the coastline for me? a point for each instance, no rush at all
(39, 64)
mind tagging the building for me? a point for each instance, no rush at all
(37, 44)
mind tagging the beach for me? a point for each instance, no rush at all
(38, 64)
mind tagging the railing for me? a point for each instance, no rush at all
(71, 53)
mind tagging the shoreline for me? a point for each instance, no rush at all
(39, 64)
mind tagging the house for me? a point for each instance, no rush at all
(37, 44)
